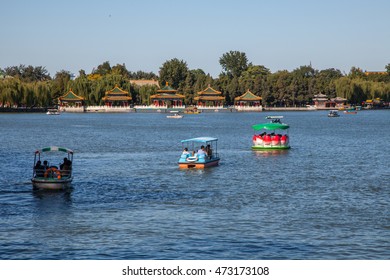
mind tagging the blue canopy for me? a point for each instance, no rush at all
(200, 139)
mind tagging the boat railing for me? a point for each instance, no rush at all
(52, 172)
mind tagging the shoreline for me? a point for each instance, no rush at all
(167, 110)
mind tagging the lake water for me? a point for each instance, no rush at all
(328, 197)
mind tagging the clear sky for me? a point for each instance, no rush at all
(143, 34)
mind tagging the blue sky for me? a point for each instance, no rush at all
(72, 35)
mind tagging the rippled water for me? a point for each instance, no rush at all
(326, 198)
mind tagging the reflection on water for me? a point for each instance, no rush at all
(268, 153)
(325, 198)
(54, 196)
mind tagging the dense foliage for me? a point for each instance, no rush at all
(33, 87)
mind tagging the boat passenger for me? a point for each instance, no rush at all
(201, 151)
(209, 151)
(64, 163)
(39, 169)
(185, 153)
(45, 165)
(65, 170)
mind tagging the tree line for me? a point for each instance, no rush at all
(28, 86)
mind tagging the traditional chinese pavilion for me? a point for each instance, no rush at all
(71, 100)
(248, 99)
(167, 97)
(210, 97)
(117, 97)
(339, 101)
(322, 101)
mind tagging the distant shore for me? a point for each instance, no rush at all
(167, 110)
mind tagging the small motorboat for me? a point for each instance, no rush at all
(350, 111)
(50, 176)
(175, 115)
(52, 112)
(273, 136)
(333, 113)
(204, 153)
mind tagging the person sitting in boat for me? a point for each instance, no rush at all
(45, 165)
(64, 163)
(185, 151)
(209, 151)
(201, 151)
(65, 170)
(39, 169)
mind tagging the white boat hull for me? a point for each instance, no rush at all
(51, 184)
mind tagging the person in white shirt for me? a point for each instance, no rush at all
(201, 151)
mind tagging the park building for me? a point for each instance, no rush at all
(210, 98)
(167, 97)
(248, 102)
(71, 102)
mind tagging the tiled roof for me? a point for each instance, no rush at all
(166, 88)
(116, 90)
(70, 96)
(209, 91)
(117, 98)
(248, 96)
(209, 98)
(117, 94)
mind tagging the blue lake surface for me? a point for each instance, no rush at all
(328, 197)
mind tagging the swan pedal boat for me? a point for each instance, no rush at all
(186, 161)
(52, 178)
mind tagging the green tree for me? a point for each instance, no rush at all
(102, 69)
(60, 83)
(253, 78)
(387, 67)
(234, 63)
(356, 72)
(141, 75)
(120, 69)
(174, 72)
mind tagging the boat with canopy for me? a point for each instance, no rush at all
(333, 113)
(200, 152)
(174, 115)
(272, 135)
(48, 176)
